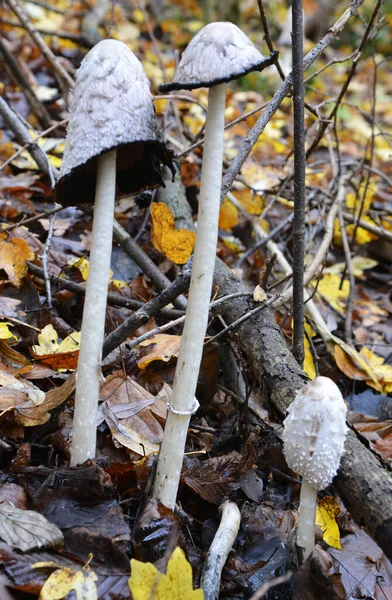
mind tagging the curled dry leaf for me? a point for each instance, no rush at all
(164, 347)
(134, 416)
(367, 366)
(27, 530)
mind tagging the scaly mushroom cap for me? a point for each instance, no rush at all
(111, 108)
(314, 432)
(219, 53)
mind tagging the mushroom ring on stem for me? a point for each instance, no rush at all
(113, 148)
(219, 53)
(314, 434)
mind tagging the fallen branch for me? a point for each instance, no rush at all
(365, 486)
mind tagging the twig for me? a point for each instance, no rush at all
(269, 265)
(280, 95)
(44, 259)
(351, 73)
(299, 183)
(319, 257)
(60, 72)
(78, 39)
(92, 20)
(245, 317)
(77, 288)
(271, 584)
(22, 133)
(219, 550)
(231, 124)
(348, 329)
(180, 320)
(372, 228)
(148, 310)
(143, 261)
(37, 108)
(270, 236)
(267, 38)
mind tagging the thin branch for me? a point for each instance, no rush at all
(60, 72)
(299, 183)
(281, 94)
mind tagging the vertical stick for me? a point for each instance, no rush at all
(299, 183)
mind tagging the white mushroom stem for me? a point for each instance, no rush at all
(307, 519)
(182, 400)
(88, 376)
(219, 550)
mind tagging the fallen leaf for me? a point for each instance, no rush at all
(365, 366)
(27, 529)
(61, 356)
(329, 288)
(5, 333)
(14, 252)
(164, 347)
(134, 416)
(309, 366)
(147, 582)
(64, 580)
(228, 215)
(177, 245)
(327, 511)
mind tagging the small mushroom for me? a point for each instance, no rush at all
(314, 434)
(113, 147)
(219, 53)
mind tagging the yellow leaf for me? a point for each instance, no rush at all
(362, 366)
(228, 215)
(48, 345)
(359, 265)
(165, 346)
(64, 580)
(328, 287)
(13, 255)
(47, 341)
(309, 366)
(327, 511)
(147, 582)
(177, 245)
(80, 263)
(5, 333)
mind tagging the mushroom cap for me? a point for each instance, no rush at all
(314, 432)
(218, 53)
(111, 108)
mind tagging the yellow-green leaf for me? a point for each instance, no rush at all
(5, 333)
(327, 511)
(147, 582)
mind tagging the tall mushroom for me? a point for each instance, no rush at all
(314, 434)
(113, 147)
(219, 53)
